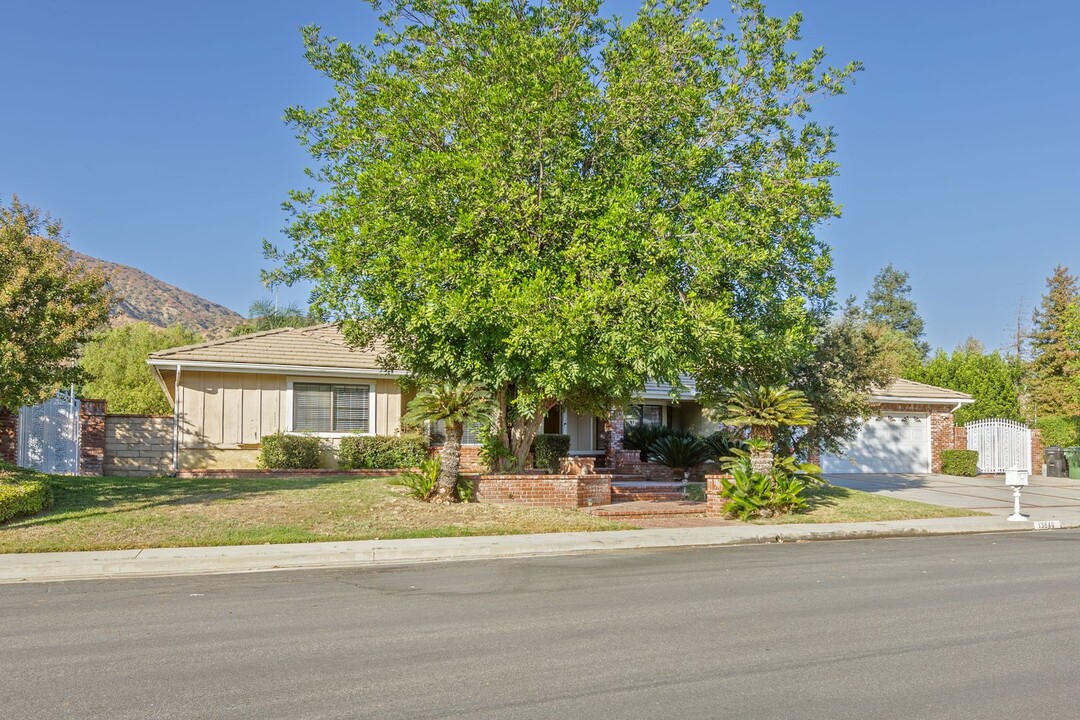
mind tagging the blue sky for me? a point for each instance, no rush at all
(154, 130)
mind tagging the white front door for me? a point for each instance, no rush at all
(892, 443)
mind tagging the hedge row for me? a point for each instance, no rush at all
(960, 462)
(22, 492)
(549, 449)
(382, 451)
(289, 452)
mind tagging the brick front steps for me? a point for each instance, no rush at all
(648, 508)
(632, 491)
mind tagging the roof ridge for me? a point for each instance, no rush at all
(223, 341)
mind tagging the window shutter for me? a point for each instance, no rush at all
(311, 407)
(352, 408)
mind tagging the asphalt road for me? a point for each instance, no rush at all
(957, 627)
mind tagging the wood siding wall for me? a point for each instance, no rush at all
(233, 410)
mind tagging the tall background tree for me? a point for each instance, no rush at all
(562, 206)
(50, 306)
(115, 370)
(1055, 352)
(267, 314)
(889, 305)
(993, 380)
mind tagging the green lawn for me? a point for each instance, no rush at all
(833, 504)
(94, 513)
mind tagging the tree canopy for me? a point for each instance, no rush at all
(1055, 347)
(992, 380)
(49, 306)
(266, 314)
(114, 365)
(889, 304)
(560, 206)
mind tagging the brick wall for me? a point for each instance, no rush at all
(138, 445)
(1037, 450)
(562, 491)
(9, 435)
(714, 503)
(91, 437)
(615, 427)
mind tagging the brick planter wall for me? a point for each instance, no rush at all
(9, 435)
(714, 503)
(562, 491)
(1037, 450)
(91, 437)
(138, 445)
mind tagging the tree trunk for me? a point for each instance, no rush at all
(761, 461)
(450, 464)
(523, 432)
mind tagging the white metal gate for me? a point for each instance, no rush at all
(1002, 445)
(49, 435)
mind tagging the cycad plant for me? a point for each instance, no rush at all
(764, 409)
(456, 404)
(680, 452)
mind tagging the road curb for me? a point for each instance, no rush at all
(44, 567)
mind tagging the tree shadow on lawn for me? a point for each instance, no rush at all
(78, 497)
(821, 497)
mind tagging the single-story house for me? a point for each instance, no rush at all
(227, 394)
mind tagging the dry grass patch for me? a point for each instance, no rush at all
(122, 513)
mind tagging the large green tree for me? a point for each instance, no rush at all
(1055, 352)
(49, 306)
(115, 369)
(559, 206)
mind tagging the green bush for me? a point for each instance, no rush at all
(22, 492)
(382, 451)
(1059, 430)
(960, 462)
(289, 452)
(642, 437)
(549, 449)
(421, 483)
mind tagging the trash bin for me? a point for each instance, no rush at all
(1055, 462)
(1072, 456)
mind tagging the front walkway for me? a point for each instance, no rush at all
(1044, 498)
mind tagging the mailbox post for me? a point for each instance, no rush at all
(1016, 479)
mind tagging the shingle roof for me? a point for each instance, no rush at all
(899, 388)
(321, 346)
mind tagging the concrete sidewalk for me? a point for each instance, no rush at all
(37, 567)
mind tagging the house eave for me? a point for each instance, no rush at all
(270, 369)
(882, 399)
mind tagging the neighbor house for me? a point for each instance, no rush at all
(228, 394)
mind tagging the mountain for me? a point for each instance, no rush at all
(143, 297)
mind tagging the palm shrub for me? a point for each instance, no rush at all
(722, 444)
(764, 409)
(642, 437)
(749, 494)
(456, 404)
(680, 452)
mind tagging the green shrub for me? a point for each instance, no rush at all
(289, 452)
(960, 462)
(549, 449)
(722, 444)
(421, 483)
(22, 492)
(1059, 430)
(750, 494)
(382, 451)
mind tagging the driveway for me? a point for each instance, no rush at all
(1044, 498)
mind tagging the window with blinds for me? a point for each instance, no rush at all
(319, 407)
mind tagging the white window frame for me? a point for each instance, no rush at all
(372, 412)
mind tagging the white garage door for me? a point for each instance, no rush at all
(893, 443)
